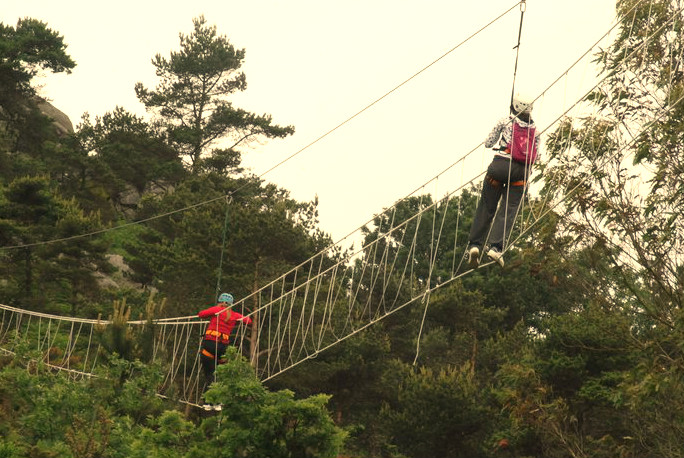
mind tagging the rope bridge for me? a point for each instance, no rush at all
(410, 250)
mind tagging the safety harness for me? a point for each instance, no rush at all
(496, 183)
(209, 354)
(220, 335)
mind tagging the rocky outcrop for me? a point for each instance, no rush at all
(120, 278)
(60, 121)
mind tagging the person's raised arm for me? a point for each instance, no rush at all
(206, 313)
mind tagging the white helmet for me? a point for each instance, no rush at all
(522, 103)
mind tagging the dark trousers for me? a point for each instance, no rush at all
(209, 363)
(503, 171)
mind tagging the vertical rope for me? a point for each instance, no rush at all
(523, 7)
(426, 300)
(223, 246)
(317, 285)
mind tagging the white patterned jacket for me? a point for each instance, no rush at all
(502, 131)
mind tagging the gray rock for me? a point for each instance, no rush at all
(60, 120)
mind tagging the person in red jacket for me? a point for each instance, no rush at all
(222, 320)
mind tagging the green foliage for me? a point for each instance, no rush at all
(31, 211)
(438, 413)
(191, 103)
(127, 156)
(256, 422)
(43, 414)
(576, 348)
(622, 343)
(25, 50)
(117, 413)
(29, 47)
(654, 396)
(9, 450)
(166, 436)
(267, 233)
(129, 342)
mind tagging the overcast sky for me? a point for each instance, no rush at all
(314, 63)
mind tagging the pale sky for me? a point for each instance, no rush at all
(315, 63)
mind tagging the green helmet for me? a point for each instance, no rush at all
(225, 297)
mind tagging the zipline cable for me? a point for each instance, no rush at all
(393, 89)
(452, 165)
(307, 146)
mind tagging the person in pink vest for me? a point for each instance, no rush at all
(222, 320)
(516, 148)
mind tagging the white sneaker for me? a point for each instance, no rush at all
(207, 407)
(474, 256)
(218, 407)
(496, 255)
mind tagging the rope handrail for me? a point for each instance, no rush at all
(325, 304)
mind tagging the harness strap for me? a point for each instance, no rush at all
(497, 183)
(492, 181)
(212, 333)
(209, 354)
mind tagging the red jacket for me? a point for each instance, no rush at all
(221, 323)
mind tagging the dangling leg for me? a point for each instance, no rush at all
(208, 360)
(508, 172)
(220, 351)
(486, 208)
(504, 220)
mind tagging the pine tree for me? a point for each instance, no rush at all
(191, 100)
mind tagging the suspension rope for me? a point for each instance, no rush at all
(293, 155)
(321, 345)
(523, 7)
(223, 246)
(298, 302)
(266, 305)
